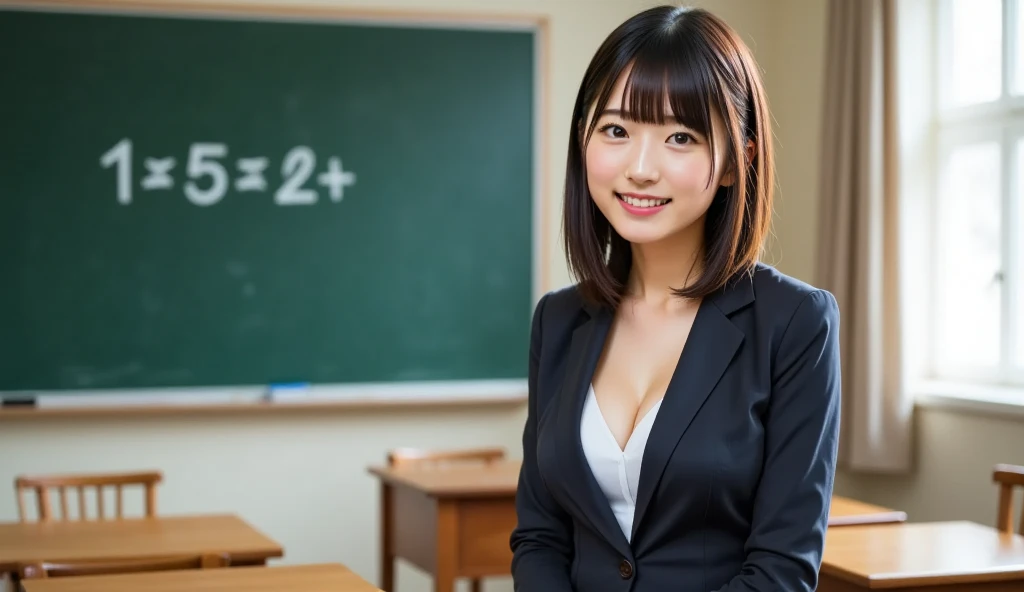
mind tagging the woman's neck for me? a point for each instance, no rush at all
(663, 266)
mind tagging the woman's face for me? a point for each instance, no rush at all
(651, 181)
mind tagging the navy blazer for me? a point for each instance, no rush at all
(736, 479)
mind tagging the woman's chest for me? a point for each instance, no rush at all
(638, 362)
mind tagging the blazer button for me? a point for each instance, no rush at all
(625, 569)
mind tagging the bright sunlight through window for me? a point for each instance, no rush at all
(978, 219)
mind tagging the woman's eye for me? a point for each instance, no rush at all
(613, 131)
(682, 138)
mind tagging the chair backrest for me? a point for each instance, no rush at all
(403, 457)
(41, 570)
(42, 484)
(1008, 477)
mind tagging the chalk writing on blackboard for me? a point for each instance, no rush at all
(207, 179)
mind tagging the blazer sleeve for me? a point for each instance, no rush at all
(542, 539)
(792, 501)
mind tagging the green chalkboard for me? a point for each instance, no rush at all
(194, 201)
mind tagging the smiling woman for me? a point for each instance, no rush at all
(683, 397)
(669, 113)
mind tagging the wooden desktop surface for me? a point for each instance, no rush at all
(920, 556)
(847, 512)
(292, 578)
(500, 479)
(132, 539)
(456, 480)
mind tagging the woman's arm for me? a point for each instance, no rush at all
(801, 440)
(542, 539)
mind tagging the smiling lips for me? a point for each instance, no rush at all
(642, 205)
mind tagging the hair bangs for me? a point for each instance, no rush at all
(668, 83)
(667, 79)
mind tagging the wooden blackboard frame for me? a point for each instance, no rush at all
(315, 397)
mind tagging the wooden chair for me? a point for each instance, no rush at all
(414, 457)
(33, 571)
(62, 483)
(1008, 477)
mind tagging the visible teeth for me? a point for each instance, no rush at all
(643, 203)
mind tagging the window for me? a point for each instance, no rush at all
(976, 215)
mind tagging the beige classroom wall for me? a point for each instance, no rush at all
(300, 477)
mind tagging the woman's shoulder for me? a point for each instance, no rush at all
(566, 298)
(790, 305)
(555, 317)
(561, 306)
(779, 292)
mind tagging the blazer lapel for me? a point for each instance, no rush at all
(580, 484)
(710, 346)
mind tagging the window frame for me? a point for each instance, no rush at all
(1001, 120)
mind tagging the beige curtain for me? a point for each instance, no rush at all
(858, 259)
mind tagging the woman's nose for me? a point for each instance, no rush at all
(643, 166)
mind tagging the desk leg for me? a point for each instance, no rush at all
(387, 557)
(447, 546)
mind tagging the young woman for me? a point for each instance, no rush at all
(683, 397)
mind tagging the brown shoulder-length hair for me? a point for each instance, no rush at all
(702, 66)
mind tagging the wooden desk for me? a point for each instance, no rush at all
(455, 522)
(133, 539)
(452, 522)
(293, 578)
(922, 557)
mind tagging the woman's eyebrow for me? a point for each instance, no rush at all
(627, 115)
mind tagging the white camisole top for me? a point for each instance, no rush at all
(616, 470)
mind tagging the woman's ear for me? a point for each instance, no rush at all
(729, 176)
